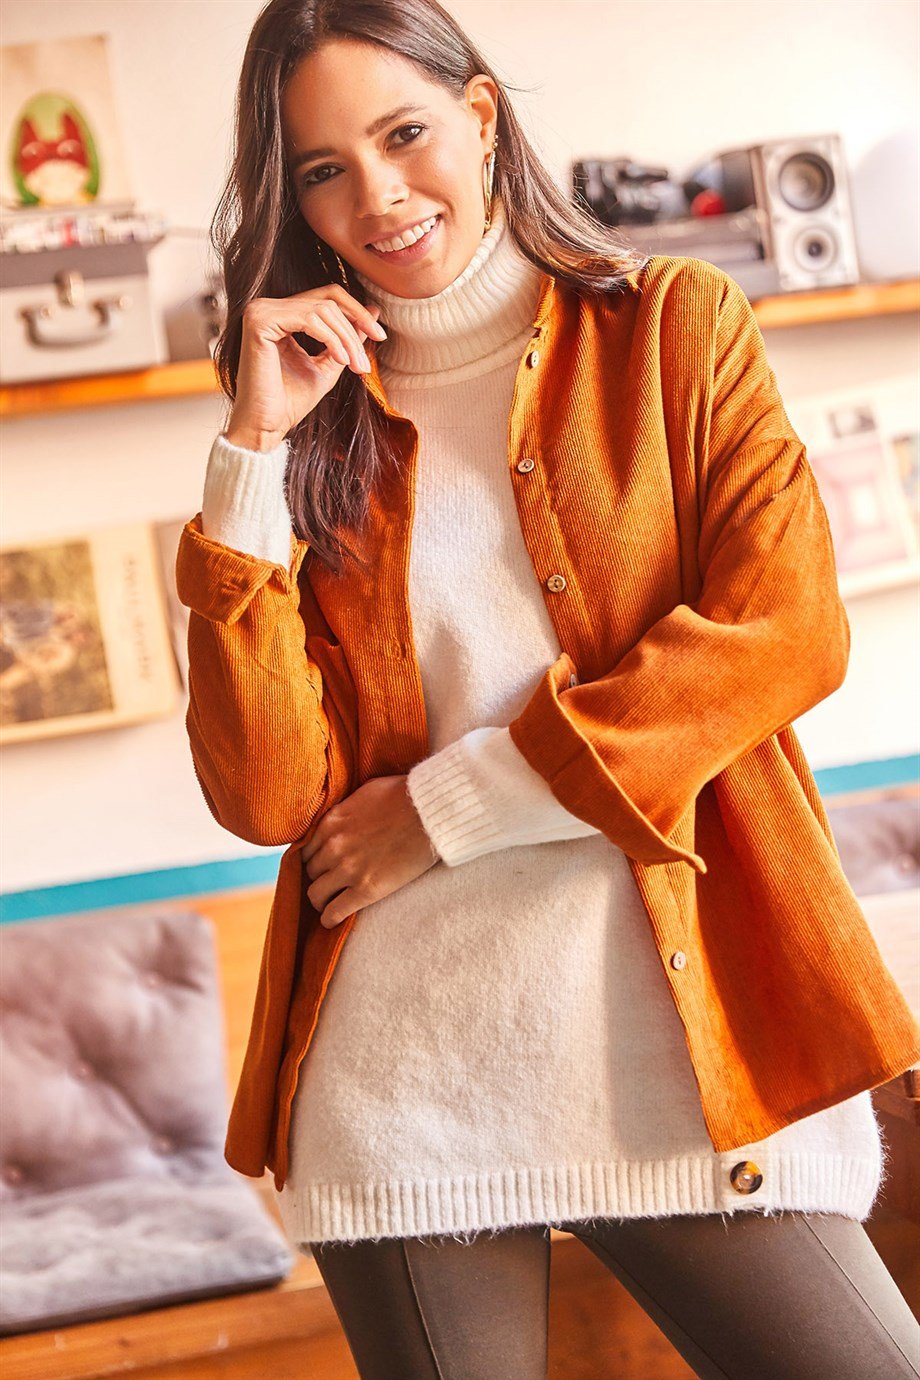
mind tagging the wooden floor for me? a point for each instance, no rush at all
(596, 1332)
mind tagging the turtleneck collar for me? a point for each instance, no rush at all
(477, 319)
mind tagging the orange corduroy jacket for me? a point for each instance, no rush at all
(683, 551)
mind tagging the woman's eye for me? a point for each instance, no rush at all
(308, 178)
(402, 127)
(311, 179)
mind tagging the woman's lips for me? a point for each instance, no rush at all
(412, 251)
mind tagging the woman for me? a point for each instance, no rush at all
(499, 1051)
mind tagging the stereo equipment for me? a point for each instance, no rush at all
(776, 215)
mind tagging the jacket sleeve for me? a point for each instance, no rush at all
(478, 794)
(765, 640)
(266, 740)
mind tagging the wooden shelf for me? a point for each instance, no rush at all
(192, 377)
(186, 378)
(838, 304)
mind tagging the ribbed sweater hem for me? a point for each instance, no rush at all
(556, 1194)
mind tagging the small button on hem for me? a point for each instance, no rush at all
(745, 1177)
(679, 959)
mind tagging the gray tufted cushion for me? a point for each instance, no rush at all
(879, 843)
(117, 1247)
(114, 1192)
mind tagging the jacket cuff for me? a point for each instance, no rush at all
(244, 505)
(549, 738)
(219, 583)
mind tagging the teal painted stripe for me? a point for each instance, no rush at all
(866, 776)
(137, 888)
(261, 869)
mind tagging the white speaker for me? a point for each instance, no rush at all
(802, 190)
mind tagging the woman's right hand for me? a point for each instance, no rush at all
(278, 383)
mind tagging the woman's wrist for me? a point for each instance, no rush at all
(253, 440)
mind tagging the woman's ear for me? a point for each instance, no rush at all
(482, 99)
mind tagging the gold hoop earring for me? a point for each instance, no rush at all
(321, 248)
(342, 270)
(488, 182)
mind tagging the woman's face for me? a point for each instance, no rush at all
(375, 168)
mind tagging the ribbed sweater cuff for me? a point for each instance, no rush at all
(244, 506)
(455, 818)
(479, 793)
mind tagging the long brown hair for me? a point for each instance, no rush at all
(267, 249)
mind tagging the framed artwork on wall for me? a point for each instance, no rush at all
(864, 447)
(84, 634)
(60, 127)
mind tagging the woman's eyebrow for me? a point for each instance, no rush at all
(372, 129)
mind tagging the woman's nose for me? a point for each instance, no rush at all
(378, 191)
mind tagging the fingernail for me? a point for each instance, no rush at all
(364, 359)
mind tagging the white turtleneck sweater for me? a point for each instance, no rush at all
(468, 1069)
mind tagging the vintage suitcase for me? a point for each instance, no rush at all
(76, 310)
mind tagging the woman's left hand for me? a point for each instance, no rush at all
(365, 847)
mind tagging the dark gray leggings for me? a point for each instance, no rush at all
(795, 1296)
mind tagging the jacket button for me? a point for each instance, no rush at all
(556, 582)
(746, 1177)
(679, 959)
(573, 680)
(526, 465)
(533, 359)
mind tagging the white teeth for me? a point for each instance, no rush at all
(408, 237)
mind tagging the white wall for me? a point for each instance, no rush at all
(665, 81)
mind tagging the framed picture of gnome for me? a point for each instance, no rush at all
(60, 127)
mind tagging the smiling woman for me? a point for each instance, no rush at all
(320, 177)
(560, 935)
